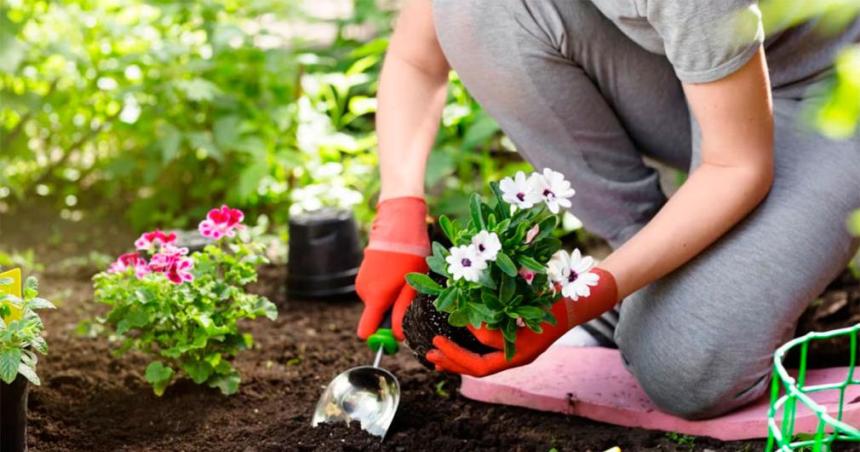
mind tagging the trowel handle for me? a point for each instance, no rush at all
(384, 337)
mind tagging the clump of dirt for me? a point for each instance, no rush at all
(423, 322)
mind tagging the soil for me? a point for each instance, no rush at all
(423, 322)
(90, 400)
(838, 307)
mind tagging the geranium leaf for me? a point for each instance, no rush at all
(158, 375)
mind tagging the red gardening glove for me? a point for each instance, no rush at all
(398, 245)
(450, 357)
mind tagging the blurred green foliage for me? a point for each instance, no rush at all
(838, 114)
(165, 109)
(161, 109)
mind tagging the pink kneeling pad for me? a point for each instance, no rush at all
(592, 382)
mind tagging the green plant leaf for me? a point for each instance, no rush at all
(448, 228)
(530, 312)
(29, 373)
(484, 128)
(438, 265)
(476, 211)
(502, 209)
(509, 331)
(439, 250)
(199, 371)
(458, 319)
(159, 376)
(510, 350)
(532, 264)
(447, 299)
(491, 301)
(40, 303)
(423, 284)
(547, 226)
(9, 362)
(485, 279)
(506, 265)
(507, 290)
(227, 384)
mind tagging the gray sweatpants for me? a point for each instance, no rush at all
(578, 96)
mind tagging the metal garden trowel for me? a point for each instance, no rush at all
(367, 394)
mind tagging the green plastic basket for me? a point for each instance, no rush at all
(787, 391)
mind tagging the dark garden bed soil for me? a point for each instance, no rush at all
(91, 401)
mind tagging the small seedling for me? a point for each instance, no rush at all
(682, 439)
(441, 391)
(20, 328)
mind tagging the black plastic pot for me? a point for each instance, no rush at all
(13, 415)
(324, 254)
(423, 322)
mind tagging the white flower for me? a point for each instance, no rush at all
(487, 245)
(519, 192)
(552, 187)
(465, 263)
(573, 272)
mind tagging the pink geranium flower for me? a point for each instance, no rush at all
(221, 222)
(180, 271)
(149, 240)
(175, 266)
(130, 260)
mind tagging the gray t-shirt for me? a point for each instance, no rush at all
(705, 40)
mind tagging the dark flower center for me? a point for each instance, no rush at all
(547, 193)
(466, 262)
(481, 247)
(521, 196)
(572, 276)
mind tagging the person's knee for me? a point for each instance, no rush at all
(691, 385)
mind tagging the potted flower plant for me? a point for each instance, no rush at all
(20, 341)
(504, 269)
(182, 308)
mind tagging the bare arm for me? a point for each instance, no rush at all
(736, 119)
(412, 91)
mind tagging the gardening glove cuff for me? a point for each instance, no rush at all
(602, 297)
(400, 227)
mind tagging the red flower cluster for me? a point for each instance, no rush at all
(167, 258)
(222, 222)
